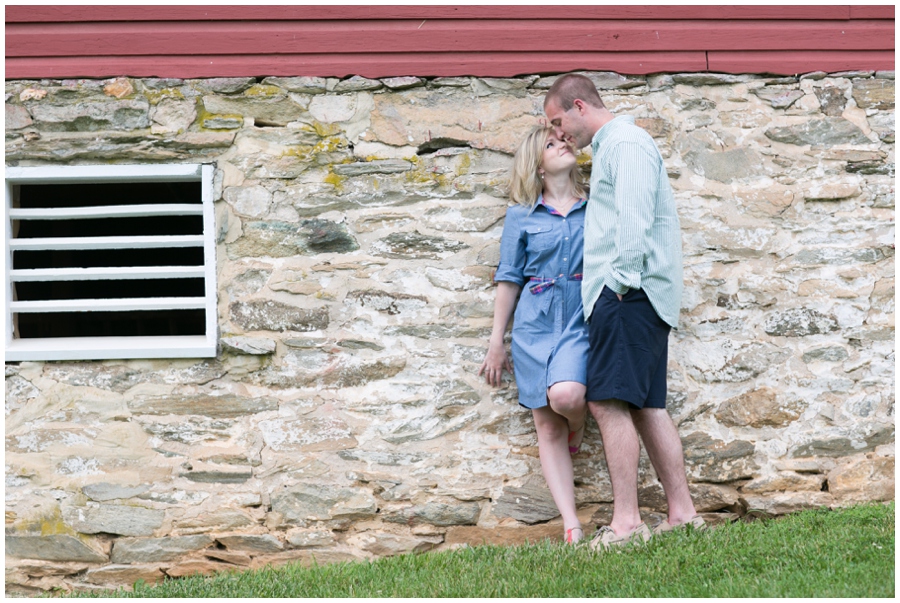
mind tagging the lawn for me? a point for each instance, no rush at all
(822, 553)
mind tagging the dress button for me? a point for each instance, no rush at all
(567, 238)
(565, 259)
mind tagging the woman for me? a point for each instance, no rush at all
(541, 250)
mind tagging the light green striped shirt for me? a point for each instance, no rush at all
(632, 238)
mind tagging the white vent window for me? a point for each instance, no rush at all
(110, 262)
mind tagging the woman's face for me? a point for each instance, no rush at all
(557, 157)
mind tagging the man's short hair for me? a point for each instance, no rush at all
(568, 87)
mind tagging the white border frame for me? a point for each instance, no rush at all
(107, 348)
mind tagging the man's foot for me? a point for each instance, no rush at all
(606, 538)
(575, 439)
(574, 535)
(696, 522)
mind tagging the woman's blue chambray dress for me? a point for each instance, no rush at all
(541, 251)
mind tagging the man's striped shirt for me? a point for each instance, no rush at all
(632, 238)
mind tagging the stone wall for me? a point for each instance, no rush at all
(358, 226)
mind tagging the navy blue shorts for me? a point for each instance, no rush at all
(629, 350)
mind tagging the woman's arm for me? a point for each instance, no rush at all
(496, 359)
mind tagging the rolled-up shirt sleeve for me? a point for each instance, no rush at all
(634, 170)
(512, 251)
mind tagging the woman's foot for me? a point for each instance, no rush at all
(575, 439)
(574, 535)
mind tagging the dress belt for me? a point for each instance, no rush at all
(542, 284)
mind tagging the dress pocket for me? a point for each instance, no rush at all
(539, 238)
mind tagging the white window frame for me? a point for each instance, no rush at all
(103, 348)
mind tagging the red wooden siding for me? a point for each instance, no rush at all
(380, 41)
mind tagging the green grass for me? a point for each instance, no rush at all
(844, 553)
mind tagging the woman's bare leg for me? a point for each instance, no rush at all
(556, 463)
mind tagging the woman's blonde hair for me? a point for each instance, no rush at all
(525, 184)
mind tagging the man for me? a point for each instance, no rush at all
(632, 298)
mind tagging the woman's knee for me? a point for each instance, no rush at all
(566, 397)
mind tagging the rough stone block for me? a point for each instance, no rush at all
(285, 239)
(402, 83)
(388, 545)
(308, 538)
(226, 406)
(277, 110)
(785, 481)
(387, 302)
(778, 97)
(17, 117)
(218, 477)
(55, 547)
(378, 166)
(862, 480)
(259, 315)
(827, 131)
(826, 354)
(92, 116)
(711, 460)
(124, 520)
(832, 100)
(105, 491)
(529, 504)
(800, 322)
(411, 246)
(759, 408)
(302, 85)
(307, 435)
(306, 502)
(124, 575)
(838, 445)
(252, 201)
(219, 519)
(224, 85)
(148, 550)
(255, 346)
(874, 94)
(788, 502)
(357, 83)
(437, 513)
(254, 543)
(709, 79)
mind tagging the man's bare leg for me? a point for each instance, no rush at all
(622, 450)
(660, 438)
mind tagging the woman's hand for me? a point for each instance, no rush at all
(494, 363)
(496, 359)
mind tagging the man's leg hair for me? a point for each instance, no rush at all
(660, 437)
(622, 450)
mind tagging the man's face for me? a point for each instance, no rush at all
(569, 125)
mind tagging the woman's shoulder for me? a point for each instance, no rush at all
(517, 211)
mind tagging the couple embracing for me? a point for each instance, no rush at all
(595, 284)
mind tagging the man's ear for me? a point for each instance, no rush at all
(580, 105)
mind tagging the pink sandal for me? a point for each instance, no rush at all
(570, 539)
(575, 449)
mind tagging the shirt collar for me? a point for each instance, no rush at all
(607, 129)
(578, 205)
